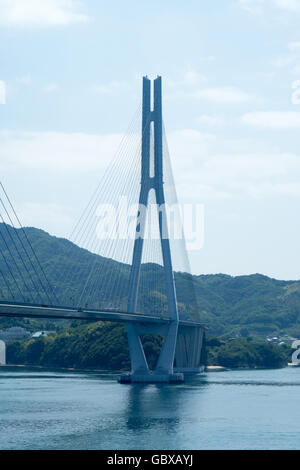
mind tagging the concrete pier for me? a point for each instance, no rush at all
(175, 378)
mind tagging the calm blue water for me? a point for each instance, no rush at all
(218, 410)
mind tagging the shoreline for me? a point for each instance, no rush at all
(57, 368)
(207, 369)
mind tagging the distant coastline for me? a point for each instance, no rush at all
(208, 369)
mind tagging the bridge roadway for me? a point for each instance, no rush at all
(12, 309)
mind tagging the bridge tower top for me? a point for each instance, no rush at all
(155, 182)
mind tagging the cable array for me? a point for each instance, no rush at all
(92, 267)
(22, 277)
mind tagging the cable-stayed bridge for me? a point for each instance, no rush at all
(121, 262)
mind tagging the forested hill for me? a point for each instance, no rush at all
(250, 305)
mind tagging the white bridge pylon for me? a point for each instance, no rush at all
(164, 370)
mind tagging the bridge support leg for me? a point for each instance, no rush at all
(139, 364)
(189, 357)
(163, 372)
(166, 358)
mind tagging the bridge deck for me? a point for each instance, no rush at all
(39, 311)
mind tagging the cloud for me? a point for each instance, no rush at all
(203, 173)
(52, 217)
(273, 119)
(252, 6)
(40, 13)
(51, 87)
(2, 92)
(111, 87)
(291, 5)
(294, 46)
(66, 161)
(192, 77)
(291, 59)
(191, 84)
(224, 95)
(205, 119)
(24, 80)
(258, 6)
(187, 81)
(56, 152)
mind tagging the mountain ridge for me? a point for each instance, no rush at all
(252, 304)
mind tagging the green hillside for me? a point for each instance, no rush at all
(248, 305)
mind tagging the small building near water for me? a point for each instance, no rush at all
(39, 334)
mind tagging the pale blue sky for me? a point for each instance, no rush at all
(73, 72)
